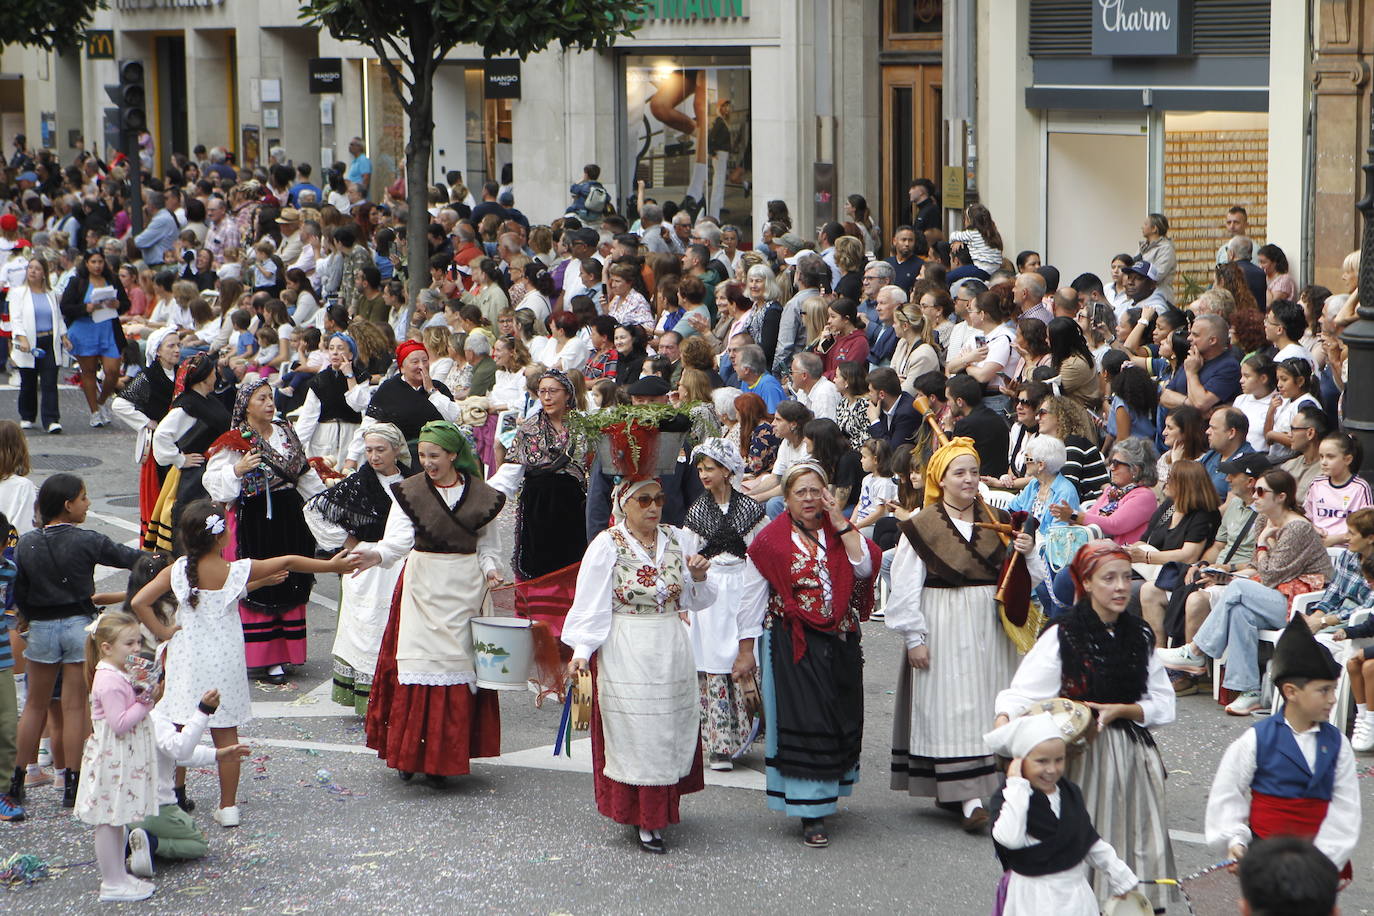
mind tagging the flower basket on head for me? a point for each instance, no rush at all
(636, 441)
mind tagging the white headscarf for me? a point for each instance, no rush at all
(724, 454)
(626, 490)
(155, 340)
(1020, 736)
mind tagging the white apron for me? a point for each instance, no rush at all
(442, 593)
(715, 631)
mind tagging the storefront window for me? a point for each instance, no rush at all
(689, 135)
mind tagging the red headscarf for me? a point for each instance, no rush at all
(1089, 558)
(407, 347)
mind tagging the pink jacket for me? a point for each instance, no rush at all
(113, 699)
(1127, 524)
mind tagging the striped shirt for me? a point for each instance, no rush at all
(983, 254)
(1084, 467)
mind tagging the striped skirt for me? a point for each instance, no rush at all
(942, 712)
(1122, 778)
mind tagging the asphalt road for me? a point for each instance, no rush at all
(328, 829)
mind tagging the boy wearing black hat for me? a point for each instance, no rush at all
(1292, 774)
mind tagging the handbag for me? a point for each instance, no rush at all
(1170, 575)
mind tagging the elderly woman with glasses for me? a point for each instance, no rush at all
(635, 588)
(1123, 511)
(812, 574)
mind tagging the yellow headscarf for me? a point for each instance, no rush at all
(939, 463)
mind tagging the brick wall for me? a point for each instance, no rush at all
(1205, 172)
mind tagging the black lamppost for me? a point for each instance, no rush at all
(1358, 404)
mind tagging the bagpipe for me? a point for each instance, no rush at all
(1022, 619)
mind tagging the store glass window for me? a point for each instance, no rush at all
(688, 124)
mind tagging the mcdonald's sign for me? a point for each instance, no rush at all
(100, 44)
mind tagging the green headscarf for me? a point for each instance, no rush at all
(451, 439)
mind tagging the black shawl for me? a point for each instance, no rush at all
(409, 408)
(330, 387)
(211, 416)
(151, 392)
(724, 532)
(1064, 840)
(1105, 666)
(358, 503)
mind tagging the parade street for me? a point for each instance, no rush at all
(327, 828)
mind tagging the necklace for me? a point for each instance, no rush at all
(957, 509)
(650, 545)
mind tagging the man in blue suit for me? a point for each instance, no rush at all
(895, 419)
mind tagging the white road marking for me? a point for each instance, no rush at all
(116, 521)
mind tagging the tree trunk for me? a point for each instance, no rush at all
(418, 149)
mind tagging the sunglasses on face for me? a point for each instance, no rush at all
(1118, 463)
(645, 501)
(1260, 491)
(1042, 412)
(1022, 402)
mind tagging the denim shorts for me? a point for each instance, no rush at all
(61, 641)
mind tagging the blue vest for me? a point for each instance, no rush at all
(1280, 768)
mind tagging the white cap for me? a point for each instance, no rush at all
(1020, 736)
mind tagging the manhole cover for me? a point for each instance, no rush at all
(125, 502)
(64, 462)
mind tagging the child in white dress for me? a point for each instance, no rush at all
(1041, 829)
(878, 487)
(118, 766)
(206, 648)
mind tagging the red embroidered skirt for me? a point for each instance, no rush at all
(649, 807)
(434, 730)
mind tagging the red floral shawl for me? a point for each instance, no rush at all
(772, 551)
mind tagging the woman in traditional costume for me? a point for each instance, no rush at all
(352, 511)
(547, 466)
(427, 714)
(326, 422)
(1103, 657)
(410, 398)
(817, 575)
(141, 405)
(720, 525)
(945, 576)
(259, 469)
(197, 417)
(635, 587)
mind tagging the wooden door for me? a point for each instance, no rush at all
(912, 144)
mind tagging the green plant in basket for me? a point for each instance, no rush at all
(632, 429)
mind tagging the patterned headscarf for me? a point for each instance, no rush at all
(451, 439)
(627, 489)
(939, 463)
(561, 378)
(1089, 558)
(194, 369)
(389, 433)
(241, 402)
(722, 453)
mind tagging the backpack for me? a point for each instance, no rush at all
(596, 199)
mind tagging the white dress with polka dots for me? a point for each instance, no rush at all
(208, 650)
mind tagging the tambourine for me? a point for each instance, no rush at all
(582, 701)
(1074, 719)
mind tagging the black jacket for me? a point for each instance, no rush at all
(990, 436)
(901, 426)
(74, 296)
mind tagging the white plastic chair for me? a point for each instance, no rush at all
(1299, 604)
(1340, 713)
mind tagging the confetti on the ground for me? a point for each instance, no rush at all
(323, 776)
(311, 752)
(306, 700)
(260, 766)
(22, 869)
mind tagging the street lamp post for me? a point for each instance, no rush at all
(1358, 403)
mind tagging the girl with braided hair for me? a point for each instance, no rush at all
(206, 647)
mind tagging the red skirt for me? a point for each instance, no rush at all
(433, 730)
(647, 807)
(149, 488)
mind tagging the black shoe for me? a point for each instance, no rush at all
(272, 678)
(185, 804)
(69, 788)
(654, 845)
(405, 775)
(692, 206)
(16, 791)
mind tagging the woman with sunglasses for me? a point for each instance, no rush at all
(635, 588)
(426, 714)
(1289, 559)
(808, 586)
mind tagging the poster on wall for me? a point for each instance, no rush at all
(689, 136)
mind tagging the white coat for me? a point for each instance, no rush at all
(22, 325)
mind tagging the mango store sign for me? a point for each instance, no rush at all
(1142, 28)
(691, 9)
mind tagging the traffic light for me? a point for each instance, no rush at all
(129, 96)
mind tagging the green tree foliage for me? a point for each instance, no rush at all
(412, 37)
(55, 25)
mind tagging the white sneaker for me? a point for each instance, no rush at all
(26, 424)
(44, 754)
(1182, 659)
(1243, 705)
(54, 428)
(227, 817)
(97, 419)
(140, 859)
(107, 413)
(131, 890)
(1363, 738)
